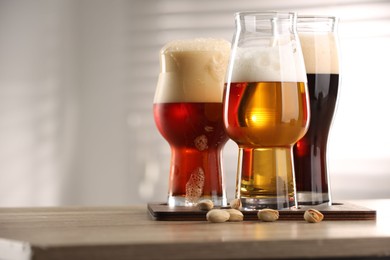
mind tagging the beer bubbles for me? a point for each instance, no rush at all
(188, 114)
(266, 107)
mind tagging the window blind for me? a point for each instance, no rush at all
(364, 32)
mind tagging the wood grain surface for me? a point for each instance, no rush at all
(131, 233)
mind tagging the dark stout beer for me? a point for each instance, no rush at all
(310, 151)
(310, 161)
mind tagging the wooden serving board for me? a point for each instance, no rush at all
(338, 211)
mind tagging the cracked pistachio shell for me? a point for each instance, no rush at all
(313, 216)
(268, 215)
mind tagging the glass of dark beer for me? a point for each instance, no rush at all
(266, 107)
(188, 113)
(318, 36)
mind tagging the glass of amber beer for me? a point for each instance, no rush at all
(188, 113)
(266, 107)
(318, 36)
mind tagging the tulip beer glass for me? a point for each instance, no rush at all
(188, 113)
(266, 107)
(319, 45)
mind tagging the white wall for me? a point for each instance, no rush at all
(77, 80)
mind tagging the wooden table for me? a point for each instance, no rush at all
(130, 233)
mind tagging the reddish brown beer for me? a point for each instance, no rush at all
(188, 114)
(196, 135)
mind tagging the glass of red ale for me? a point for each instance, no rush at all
(266, 107)
(188, 113)
(318, 36)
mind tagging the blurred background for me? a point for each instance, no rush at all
(77, 79)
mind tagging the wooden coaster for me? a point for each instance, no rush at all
(338, 211)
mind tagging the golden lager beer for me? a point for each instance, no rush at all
(266, 107)
(265, 119)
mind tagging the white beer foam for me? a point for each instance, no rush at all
(281, 61)
(192, 71)
(320, 52)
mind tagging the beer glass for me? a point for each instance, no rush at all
(188, 113)
(320, 50)
(266, 107)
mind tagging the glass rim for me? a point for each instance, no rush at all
(265, 14)
(317, 23)
(318, 17)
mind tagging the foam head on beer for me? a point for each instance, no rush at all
(192, 70)
(320, 46)
(280, 61)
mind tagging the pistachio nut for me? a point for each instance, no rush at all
(217, 216)
(235, 204)
(205, 204)
(313, 216)
(235, 215)
(268, 215)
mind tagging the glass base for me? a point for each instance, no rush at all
(265, 178)
(218, 201)
(312, 198)
(270, 203)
